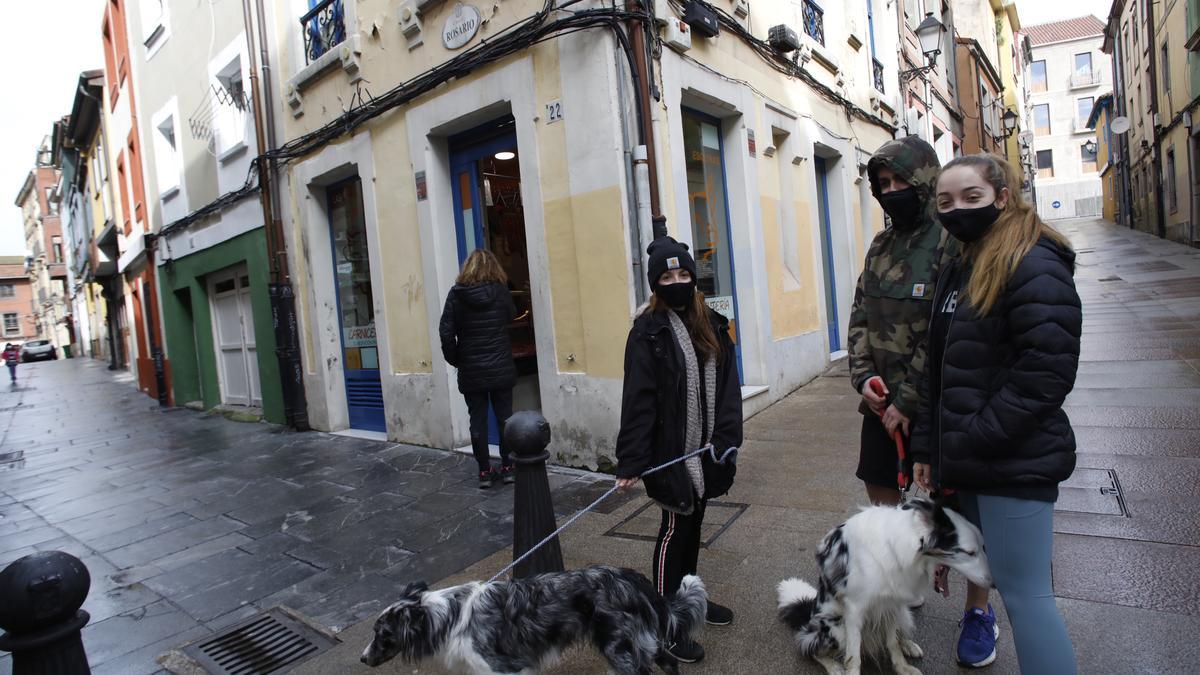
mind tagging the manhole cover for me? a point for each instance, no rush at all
(643, 524)
(1093, 491)
(264, 643)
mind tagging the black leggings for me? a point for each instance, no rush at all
(678, 548)
(477, 406)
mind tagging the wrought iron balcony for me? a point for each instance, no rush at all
(1085, 78)
(877, 75)
(814, 21)
(324, 28)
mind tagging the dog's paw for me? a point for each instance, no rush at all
(911, 649)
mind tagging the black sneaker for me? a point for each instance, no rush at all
(508, 473)
(718, 615)
(686, 650)
(485, 479)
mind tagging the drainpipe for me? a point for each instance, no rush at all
(282, 297)
(1156, 157)
(645, 124)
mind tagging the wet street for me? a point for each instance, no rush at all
(189, 522)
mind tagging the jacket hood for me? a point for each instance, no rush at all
(1066, 254)
(478, 295)
(911, 158)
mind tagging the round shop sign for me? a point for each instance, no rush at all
(461, 26)
(1056, 204)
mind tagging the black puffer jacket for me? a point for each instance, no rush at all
(474, 332)
(1000, 427)
(653, 414)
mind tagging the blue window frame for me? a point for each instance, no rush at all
(324, 28)
(814, 21)
(826, 232)
(708, 203)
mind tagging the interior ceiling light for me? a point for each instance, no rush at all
(505, 155)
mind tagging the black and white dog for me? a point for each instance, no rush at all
(524, 625)
(873, 567)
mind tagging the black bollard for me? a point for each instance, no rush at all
(40, 597)
(526, 435)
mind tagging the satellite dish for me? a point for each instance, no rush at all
(1025, 137)
(1120, 125)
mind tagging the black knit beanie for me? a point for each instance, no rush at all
(667, 254)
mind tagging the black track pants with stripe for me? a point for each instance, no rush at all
(678, 548)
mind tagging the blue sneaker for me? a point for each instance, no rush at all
(977, 642)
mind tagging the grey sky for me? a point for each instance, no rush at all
(56, 40)
(59, 38)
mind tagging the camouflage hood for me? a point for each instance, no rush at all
(911, 158)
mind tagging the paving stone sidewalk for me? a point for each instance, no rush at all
(189, 522)
(1124, 569)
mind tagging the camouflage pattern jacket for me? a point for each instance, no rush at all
(893, 301)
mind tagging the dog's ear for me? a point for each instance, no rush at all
(415, 589)
(943, 535)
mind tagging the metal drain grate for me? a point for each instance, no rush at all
(643, 524)
(264, 643)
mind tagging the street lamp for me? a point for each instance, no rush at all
(1090, 147)
(929, 35)
(1010, 122)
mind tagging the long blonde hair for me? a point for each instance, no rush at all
(699, 327)
(482, 267)
(995, 257)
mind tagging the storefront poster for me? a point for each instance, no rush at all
(359, 336)
(722, 304)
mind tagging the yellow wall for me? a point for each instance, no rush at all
(1172, 31)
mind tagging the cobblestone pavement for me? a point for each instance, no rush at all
(189, 522)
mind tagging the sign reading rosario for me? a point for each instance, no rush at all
(461, 26)
(359, 336)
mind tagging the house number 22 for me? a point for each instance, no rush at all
(554, 112)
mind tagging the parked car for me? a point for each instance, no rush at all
(38, 350)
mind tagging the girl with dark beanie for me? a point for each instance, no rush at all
(681, 392)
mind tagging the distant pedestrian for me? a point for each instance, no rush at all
(680, 393)
(12, 356)
(475, 339)
(1003, 353)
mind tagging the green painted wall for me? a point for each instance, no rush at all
(187, 322)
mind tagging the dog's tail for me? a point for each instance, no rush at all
(686, 607)
(797, 602)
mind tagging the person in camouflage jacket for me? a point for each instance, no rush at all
(890, 317)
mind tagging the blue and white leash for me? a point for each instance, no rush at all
(570, 521)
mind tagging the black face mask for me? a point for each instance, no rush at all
(676, 295)
(969, 225)
(903, 206)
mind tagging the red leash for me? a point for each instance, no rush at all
(876, 384)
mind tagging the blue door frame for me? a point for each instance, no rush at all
(467, 159)
(737, 347)
(364, 388)
(835, 342)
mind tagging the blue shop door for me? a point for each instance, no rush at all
(356, 307)
(825, 229)
(472, 197)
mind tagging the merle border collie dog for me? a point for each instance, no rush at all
(524, 625)
(873, 567)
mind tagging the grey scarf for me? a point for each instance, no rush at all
(698, 428)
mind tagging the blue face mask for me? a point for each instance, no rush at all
(969, 225)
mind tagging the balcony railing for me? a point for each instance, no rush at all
(814, 21)
(877, 75)
(1085, 78)
(324, 28)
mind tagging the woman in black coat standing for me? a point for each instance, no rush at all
(680, 393)
(474, 333)
(1003, 353)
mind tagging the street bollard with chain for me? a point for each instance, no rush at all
(40, 599)
(526, 435)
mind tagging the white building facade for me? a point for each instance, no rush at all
(1066, 76)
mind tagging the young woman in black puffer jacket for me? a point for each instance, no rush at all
(1003, 352)
(680, 393)
(474, 333)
